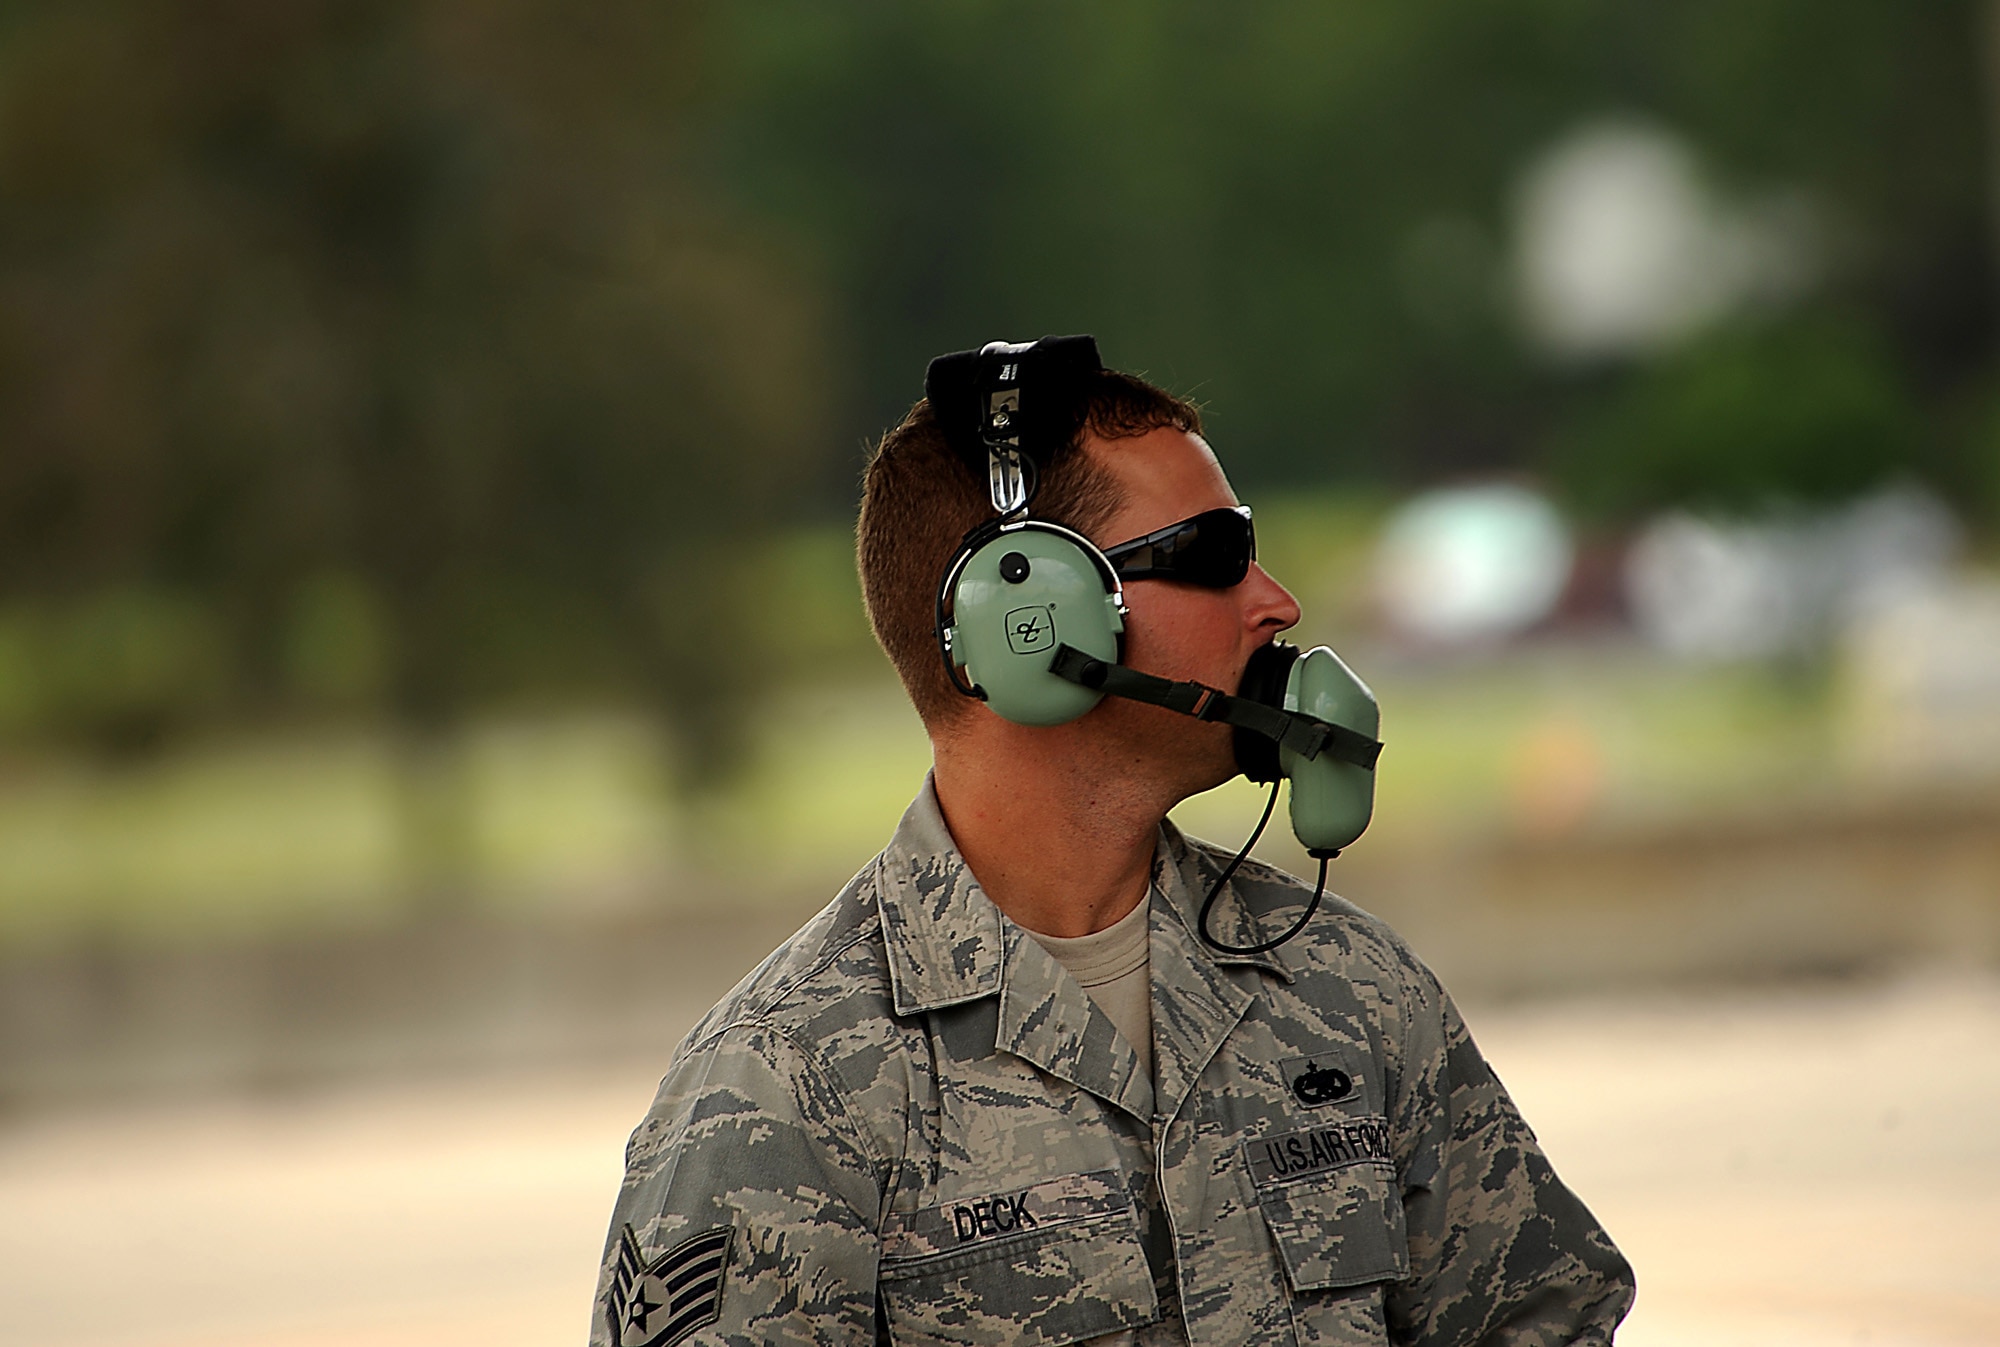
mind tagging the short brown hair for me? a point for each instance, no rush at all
(919, 498)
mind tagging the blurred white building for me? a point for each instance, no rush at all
(1622, 247)
(1711, 589)
(1921, 675)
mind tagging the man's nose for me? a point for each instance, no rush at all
(1268, 605)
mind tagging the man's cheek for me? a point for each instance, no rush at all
(1178, 652)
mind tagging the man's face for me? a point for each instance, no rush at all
(1176, 630)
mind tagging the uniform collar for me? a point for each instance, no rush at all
(947, 941)
(1199, 993)
(948, 944)
(945, 938)
(1183, 875)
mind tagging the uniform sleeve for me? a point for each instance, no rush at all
(1502, 1254)
(749, 1211)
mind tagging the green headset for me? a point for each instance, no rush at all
(1031, 614)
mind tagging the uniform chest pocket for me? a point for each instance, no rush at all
(1055, 1263)
(1330, 1200)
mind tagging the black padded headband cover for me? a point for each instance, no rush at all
(1054, 376)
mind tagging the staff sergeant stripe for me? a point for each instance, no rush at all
(712, 1264)
(658, 1304)
(689, 1321)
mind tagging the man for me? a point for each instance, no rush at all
(1002, 1090)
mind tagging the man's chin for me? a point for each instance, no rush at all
(1200, 777)
(1190, 755)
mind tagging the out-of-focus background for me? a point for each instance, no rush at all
(432, 670)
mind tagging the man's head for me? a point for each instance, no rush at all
(1137, 464)
(919, 498)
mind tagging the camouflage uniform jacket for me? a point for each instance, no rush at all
(909, 1124)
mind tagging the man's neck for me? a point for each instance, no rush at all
(1059, 849)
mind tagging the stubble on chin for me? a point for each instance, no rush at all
(1181, 755)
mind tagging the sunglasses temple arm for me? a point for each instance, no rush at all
(1307, 736)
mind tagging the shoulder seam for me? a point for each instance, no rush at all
(826, 1082)
(760, 1016)
(809, 1053)
(830, 1081)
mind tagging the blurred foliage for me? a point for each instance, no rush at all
(1301, 212)
(1746, 417)
(420, 358)
(299, 831)
(377, 353)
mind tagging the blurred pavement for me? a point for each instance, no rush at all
(1810, 1166)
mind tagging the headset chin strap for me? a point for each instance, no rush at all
(1307, 736)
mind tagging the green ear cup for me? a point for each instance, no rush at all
(1332, 800)
(1019, 595)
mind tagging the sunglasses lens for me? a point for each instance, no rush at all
(1223, 550)
(1213, 549)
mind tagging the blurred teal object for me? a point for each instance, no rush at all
(1473, 563)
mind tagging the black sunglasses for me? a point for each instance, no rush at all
(1213, 549)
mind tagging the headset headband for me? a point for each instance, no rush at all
(1009, 408)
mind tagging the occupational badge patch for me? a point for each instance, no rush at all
(657, 1304)
(1316, 1081)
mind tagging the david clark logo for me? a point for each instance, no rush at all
(1031, 629)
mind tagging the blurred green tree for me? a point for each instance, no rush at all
(1745, 419)
(421, 306)
(442, 353)
(1301, 213)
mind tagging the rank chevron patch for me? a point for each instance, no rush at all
(657, 1304)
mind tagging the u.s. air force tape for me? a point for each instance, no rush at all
(1319, 1150)
(657, 1304)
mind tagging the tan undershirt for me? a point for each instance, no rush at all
(1114, 966)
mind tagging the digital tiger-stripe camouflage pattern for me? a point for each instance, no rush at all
(915, 1127)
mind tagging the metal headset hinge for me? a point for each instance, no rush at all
(1000, 431)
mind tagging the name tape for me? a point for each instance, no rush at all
(960, 1224)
